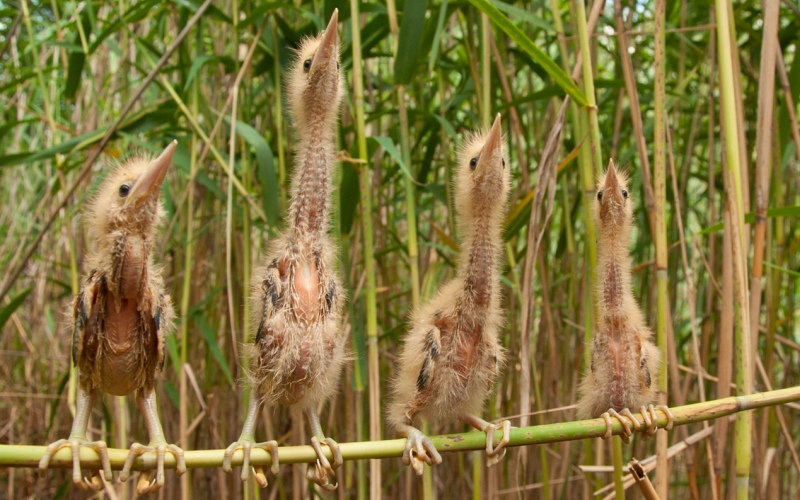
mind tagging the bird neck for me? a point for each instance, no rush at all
(127, 264)
(311, 182)
(479, 262)
(615, 292)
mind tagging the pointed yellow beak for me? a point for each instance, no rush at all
(329, 45)
(494, 141)
(611, 178)
(148, 185)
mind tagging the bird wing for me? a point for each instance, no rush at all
(270, 296)
(431, 349)
(86, 312)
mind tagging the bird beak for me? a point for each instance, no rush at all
(494, 142)
(329, 45)
(611, 187)
(148, 185)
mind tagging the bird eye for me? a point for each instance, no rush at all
(307, 65)
(473, 163)
(600, 196)
(124, 190)
(504, 162)
(625, 194)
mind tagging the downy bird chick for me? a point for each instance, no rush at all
(122, 316)
(299, 346)
(452, 355)
(624, 359)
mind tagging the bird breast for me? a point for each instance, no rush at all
(121, 361)
(306, 287)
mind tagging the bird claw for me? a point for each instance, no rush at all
(626, 429)
(323, 472)
(94, 482)
(494, 454)
(651, 418)
(144, 485)
(420, 449)
(246, 446)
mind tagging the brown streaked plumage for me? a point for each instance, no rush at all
(452, 355)
(122, 315)
(298, 353)
(624, 360)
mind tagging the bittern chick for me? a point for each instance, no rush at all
(122, 315)
(298, 353)
(624, 359)
(452, 355)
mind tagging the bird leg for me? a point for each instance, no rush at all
(76, 440)
(626, 429)
(494, 453)
(651, 418)
(147, 405)
(419, 448)
(246, 443)
(323, 472)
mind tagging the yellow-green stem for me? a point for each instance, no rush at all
(744, 379)
(660, 196)
(373, 366)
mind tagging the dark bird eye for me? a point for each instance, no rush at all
(473, 163)
(504, 162)
(599, 196)
(124, 190)
(307, 65)
(625, 194)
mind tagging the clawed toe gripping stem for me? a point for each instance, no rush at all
(94, 482)
(649, 426)
(420, 450)
(322, 472)
(145, 485)
(246, 446)
(651, 418)
(495, 453)
(626, 428)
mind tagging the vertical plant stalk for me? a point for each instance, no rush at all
(591, 165)
(766, 106)
(486, 70)
(186, 292)
(764, 134)
(229, 218)
(588, 88)
(660, 194)
(636, 114)
(743, 352)
(364, 176)
(586, 173)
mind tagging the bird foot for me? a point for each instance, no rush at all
(420, 449)
(94, 482)
(651, 418)
(495, 453)
(626, 428)
(323, 473)
(145, 485)
(246, 446)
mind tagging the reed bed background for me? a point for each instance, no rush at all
(697, 100)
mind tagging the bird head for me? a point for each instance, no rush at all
(482, 180)
(315, 85)
(128, 198)
(613, 205)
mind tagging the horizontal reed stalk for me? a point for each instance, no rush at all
(29, 456)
